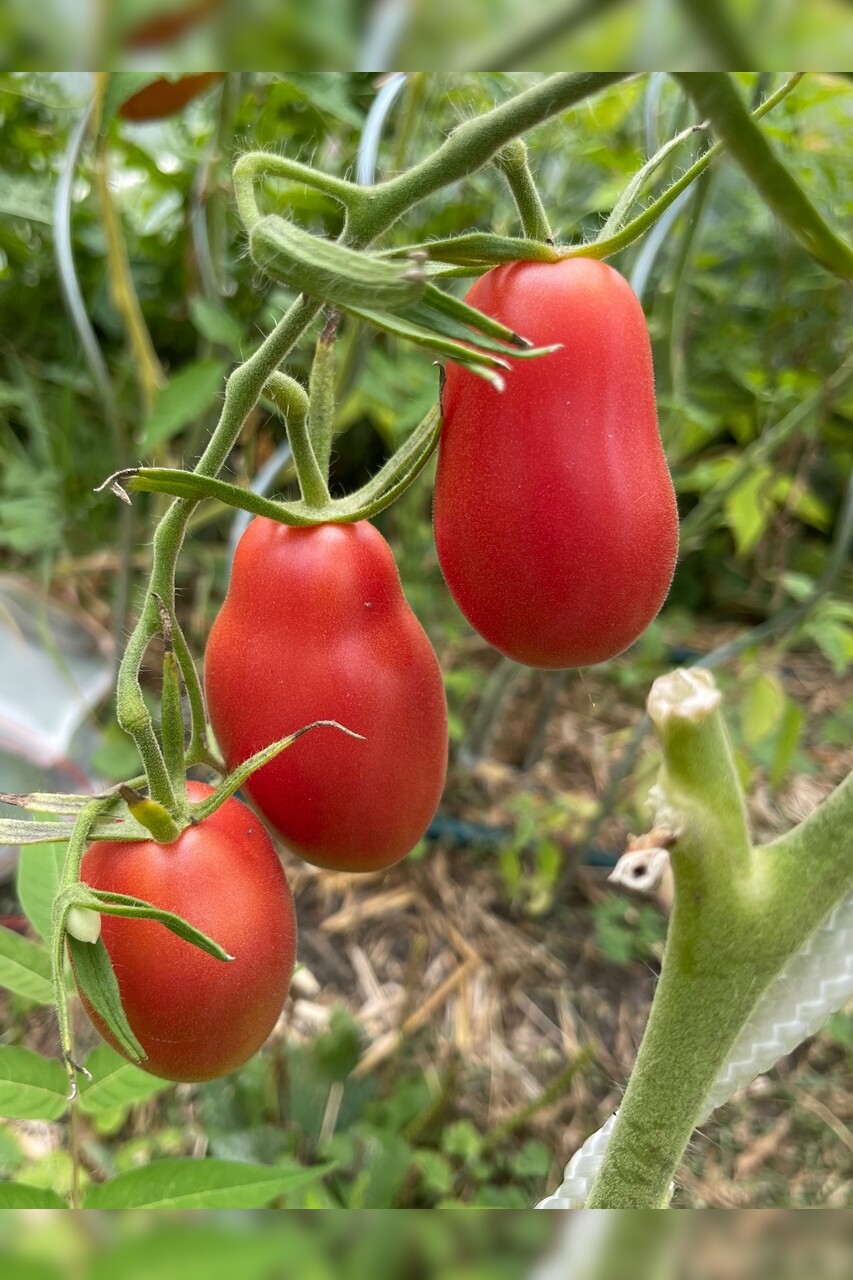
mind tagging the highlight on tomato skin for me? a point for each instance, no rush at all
(315, 626)
(554, 513)
(197, 1017)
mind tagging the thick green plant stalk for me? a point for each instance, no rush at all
(744, 920)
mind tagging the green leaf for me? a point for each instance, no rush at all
(762, 709)
(200, 1184)
(185, 397)
(25, 967)
(747, 511)
(116, 1083)
(206, 1250)
(216, 324)
(786, 743)
(17, 1195)
(39, 869)
(96, 978)
(116, 756)
(24, 197)
(31, 1087)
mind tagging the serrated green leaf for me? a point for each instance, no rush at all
(200, 1184)
(31, 1087)
(25, 967)
(17, 1195)
(96, 978)
(185, 397)
(116, 1083)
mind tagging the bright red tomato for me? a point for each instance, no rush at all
(165, 97)
(555, 517)
(197, 1017)
(315, 626)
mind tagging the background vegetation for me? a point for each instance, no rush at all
(462, 1022)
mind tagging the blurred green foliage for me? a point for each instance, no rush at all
(749, 335)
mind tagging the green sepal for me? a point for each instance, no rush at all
(204, 808)
(327, 270)
(96, 979)
(484, 250)
(123, 904)
(479, 362)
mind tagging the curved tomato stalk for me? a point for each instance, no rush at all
(378, 493)
(740, 914)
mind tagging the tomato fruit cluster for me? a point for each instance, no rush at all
(557, 532)
(198, 1017)
(315, 626)
(554, 514)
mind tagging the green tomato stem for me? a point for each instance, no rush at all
(290, 398)
(513, 164)
(321, 413)
(470, 146)
(716, 96)
(740, 914)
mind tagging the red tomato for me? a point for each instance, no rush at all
(166, 97)
(315, 626)
(555, 518)
(162, 28)
(197, 1017)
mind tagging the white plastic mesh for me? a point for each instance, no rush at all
(814, 983)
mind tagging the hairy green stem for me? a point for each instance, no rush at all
(717, 97)
(513, 164)
(740, 914)
(321, 413)
(290, 398)
(243, 389)
(469, 147)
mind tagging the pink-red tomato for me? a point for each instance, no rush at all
(315, 626)
(198, 1017)
(555, 518)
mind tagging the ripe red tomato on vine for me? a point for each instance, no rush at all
(198, 1017)
(315, 626)
(554, 514)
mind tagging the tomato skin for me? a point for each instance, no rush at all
(315, 626)
(198, 1017)
(554, 513)
(164, 97)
